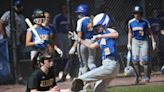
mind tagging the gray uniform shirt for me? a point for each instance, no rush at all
(19, 21)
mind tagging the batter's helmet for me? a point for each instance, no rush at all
(101, 19)
(129, 71)
(83, 9)
(137, 9)
(38, 13)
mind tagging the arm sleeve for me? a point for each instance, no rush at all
(78, 27)
(5, 17)
(33, 82)
(129, 25)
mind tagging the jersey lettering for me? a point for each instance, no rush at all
(46, 83)
(107, 51)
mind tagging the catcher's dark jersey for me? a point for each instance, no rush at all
(40, 81)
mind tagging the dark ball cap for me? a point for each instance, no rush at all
(38, 13)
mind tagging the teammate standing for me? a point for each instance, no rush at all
(42, 44)
(61, 36)
(110, 67)
(85, 32)
(139, 31)
(43, 78)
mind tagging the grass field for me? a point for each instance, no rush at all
(144, 88)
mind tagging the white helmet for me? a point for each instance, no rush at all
(101, 19)
(162, 69)
(128, 71)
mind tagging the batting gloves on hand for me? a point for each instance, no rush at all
(78, 39)
(96, 37)
(74, 36)
(59, 51)
(39, 41)
(72, 50)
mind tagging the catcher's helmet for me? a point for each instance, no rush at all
(83, 9)
(137, 9)
(101, 19)
(44, 56)
(39, 58)
(38, 13)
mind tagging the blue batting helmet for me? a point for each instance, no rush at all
(101, 19)
(83, 9)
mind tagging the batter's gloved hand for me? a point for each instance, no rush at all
(70, 35)
(154, 45)
(59, 51)
(78, 39)
(39, 41)
(96, 37)
(72, 50)
(129, 46)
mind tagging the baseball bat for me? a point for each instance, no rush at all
(27, 20)
(128, 58)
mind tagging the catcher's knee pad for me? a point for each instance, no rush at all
(77, 85)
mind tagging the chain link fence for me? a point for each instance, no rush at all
(120, 11)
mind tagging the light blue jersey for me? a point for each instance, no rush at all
(82, 26)
(139, 28)
(107, 45)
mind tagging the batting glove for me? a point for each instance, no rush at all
(78, 39)
(72, 50)
(129, 46)
(39, 41)
(96, 37)
(59, 51)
